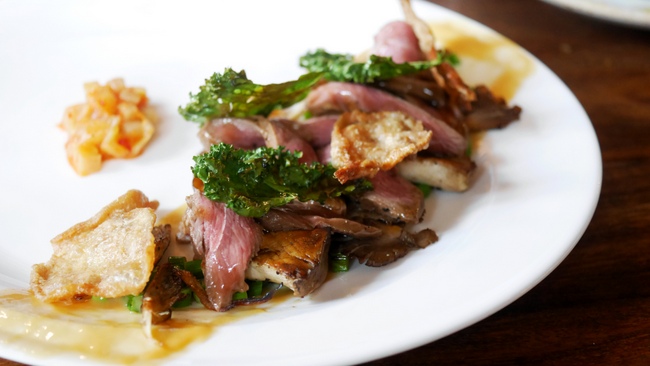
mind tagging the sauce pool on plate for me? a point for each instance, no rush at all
(486, 58)
(106, 329)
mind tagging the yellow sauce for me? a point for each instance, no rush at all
(488, 59)
(175, 248)
(173, 218)
(102, 330)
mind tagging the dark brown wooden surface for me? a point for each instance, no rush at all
(594, 309)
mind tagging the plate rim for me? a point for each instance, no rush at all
(579, 231)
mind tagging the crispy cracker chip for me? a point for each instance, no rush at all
(110, 255)
(365, 143)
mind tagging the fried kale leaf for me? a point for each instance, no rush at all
(342, 67)
(232, 94)
(251, 182)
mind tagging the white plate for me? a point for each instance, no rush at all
(536, 191)
(629, 12)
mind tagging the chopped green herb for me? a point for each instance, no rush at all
(250, 182)
(451, 58)
(468, 150)
(178, 262)
(424, 188)
(134, 302)
(186, 298)
(194, 267)
(339, 262)
(255, 288)
(239, 296)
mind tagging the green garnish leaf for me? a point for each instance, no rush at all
(255, 288)
(450, 58)
(239, 296)
(232, 94)
(341, 67)
(339, 262)
(425, 189)
(194, 267)
(186, 298)
(134, 302)
(251, 182)
(177, 261)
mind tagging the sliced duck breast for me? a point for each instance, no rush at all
(343, 97)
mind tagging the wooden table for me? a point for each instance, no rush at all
(594, 309)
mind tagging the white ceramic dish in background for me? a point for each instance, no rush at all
(536, 191)
(634, 13)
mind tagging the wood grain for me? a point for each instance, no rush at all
(594, 309)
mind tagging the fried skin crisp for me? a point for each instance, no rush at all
(364, 143)
(109, 255)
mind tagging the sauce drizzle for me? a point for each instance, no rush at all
(486, 58)
(106, 329)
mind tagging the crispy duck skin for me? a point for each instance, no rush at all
(109, 255)
(297, 259)
(365, 143)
